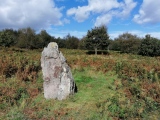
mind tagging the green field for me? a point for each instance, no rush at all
(110, 87)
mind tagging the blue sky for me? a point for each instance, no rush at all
(76, 17)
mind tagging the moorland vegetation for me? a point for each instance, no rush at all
(122, 84)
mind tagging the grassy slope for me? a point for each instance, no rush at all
(102, 83)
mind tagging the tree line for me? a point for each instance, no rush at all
(28, 39)
(128, 43)
(95, 39)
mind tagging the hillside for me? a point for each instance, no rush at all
(115, 86)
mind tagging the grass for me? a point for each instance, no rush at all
(110, 87)
(92, 92)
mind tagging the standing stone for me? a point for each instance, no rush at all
(57, 76)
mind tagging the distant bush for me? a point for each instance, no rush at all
(7, 38)
(71, 42)
(150, 46)
(126, 43)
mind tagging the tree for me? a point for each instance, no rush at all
(127, 43)
(150, 46)
(7, 38)
(81, 44)
(27, 38)
(71, 42)
(115, 45)
(44, 38)
(61, 42)
(97, 38)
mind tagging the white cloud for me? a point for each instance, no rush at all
(155, 34)
(29, 13)
(66, 21)
(103, 19)
(149, 12)
(128, 6)
(105, 9)
(80, 13)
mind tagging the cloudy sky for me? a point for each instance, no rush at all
(60, 17)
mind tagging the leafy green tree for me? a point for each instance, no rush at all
(150, 46)
(127, 43)
(44, 38)
(7, 38)
(158, 48)
(115, 45)
(27, 38)
(61, 42)
(81, 44)
(71, 42)
(97, 38)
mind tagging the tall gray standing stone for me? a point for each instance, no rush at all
(57, 76)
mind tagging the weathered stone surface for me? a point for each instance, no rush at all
(57, 76)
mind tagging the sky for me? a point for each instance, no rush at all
(76, 17)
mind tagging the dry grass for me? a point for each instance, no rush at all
(114, 86)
